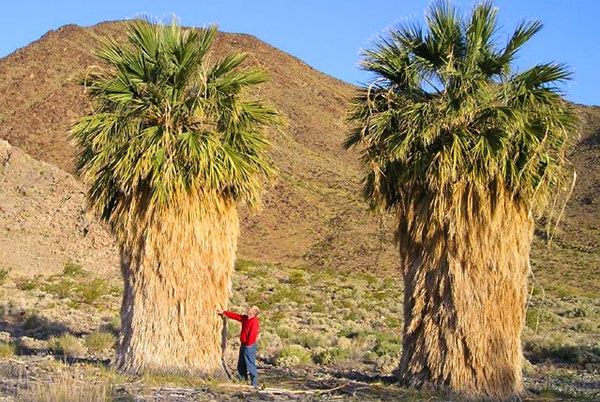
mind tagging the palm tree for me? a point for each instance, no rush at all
(169, 149)
(466, 151)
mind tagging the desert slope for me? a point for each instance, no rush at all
(313, 214)
(44, 222)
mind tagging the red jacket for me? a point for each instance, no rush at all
(250, 326)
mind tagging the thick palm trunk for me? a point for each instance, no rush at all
(177, 274)
(464, 301)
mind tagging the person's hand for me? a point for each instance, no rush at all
(220, 312)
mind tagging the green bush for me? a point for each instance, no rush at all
(309, 339)
(92, 291)
(26, 284)
(293, 356)
(99, 341)
(284, 331)
(297, 278)
(535, 317)
(63, 288)
(318, 306)
(80, 292)
(67, 345)
(330, 356)
(72, 269)
(388, 348)
(3, 275)
(286, 294)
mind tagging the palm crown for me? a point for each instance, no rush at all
(165, 123)
(446, 110)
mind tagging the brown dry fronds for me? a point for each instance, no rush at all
(177, 268)
(465, 291)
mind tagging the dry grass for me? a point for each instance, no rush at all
(65, 389)
(99, 342)
(67, 345)
(7, 349)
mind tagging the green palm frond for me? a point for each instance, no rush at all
(446, 111)
(166, 123)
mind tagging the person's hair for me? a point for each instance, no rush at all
(256, 310)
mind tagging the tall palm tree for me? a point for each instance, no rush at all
(169, 149)
(466, 151)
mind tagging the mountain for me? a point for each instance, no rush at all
(313, 215)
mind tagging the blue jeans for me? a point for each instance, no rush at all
(247, 364)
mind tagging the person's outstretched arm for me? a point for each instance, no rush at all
(232, 315)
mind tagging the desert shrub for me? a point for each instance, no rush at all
(387, 347)
(87, 292)
(330, 356)
(92, 291)
(296, 278)
(345, 303)
(393, 321)
(67, 345)
(535, 317)
(62, 288)
(99, 341)
(7, 349)
(293, 356)
(26, 284)
(318, 306)
(356, 314)
(3, 275)
(269, 343)
(577, 312)
(344, 343)
(233, 328)
(351, 331)
(72, 269)
(386, 363)
(585, 327)
(309, 339)
(286, 294)
(256, 297)
(244, 265)
(284, 331)
(370, 279)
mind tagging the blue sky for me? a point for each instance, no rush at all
(328, 34)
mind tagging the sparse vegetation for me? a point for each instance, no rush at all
(67, 345)
(72, 269)
(3, 275)
(97, 342)
(565, 296)
(293, 356)
(26, 284)
(7, 349)
(65, 389)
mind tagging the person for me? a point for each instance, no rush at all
(248, 336)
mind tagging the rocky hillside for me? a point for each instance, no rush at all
(44, 222)
(312, 216)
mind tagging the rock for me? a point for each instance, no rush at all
(32, 345)
(4, 336)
